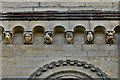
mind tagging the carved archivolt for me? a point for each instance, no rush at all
(65, 65)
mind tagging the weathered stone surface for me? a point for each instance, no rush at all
(97, 53)
(16, 9)
(60, 1)
(22, 60)
(19, 4)
(50, 9)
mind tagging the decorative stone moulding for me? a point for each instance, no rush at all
(48, 37)
(28, 37)
(69, 35)
(89, 38)
(110, 37)
(7, 37)
(62, 63)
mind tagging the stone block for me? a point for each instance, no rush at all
(50, 4)
(90, 47)
(16, 9)
(109, 9)
(69, 47)
(72, 4)
(115, 4)
(50, 9)
(107, 47)
(93, 4)
(19, 4)
(114, 53)
(81, 8)
(97, 53)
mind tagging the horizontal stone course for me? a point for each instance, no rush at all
(99, 4)
(95, 47)
(60, 1)
(19, 4)
(98, 53)
(17, 9)
(59, 6)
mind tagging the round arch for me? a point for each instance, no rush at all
(1, 29)
(79, 29)
(99, 34)
(18, 29)
(38, 29)
(68, 69)
(100, 29)
(59, 29)
(117, 29)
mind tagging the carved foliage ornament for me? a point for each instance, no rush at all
(69, 35)
(7, 37)
(28, 37)
(48, 37)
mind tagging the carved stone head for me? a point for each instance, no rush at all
(110, 37)
(69, 35)
(89, 37)
(48, 37)
(7, 37)
(28, 37)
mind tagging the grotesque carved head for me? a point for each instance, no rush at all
(110, 38)
(27, 37)
(89, 37)
(7, 37)
(69, 37)
(48, 37)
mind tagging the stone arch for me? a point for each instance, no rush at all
(18, 35)
(59, 29)
(79, 32)
(99, 34)
(117, 29)
(18, 29)
(1, 31)
(62, 68)
(59, 34)
(117, 34)
(38, 33)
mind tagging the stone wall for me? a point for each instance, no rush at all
(20, 61)
(58, 6)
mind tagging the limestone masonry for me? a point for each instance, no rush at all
(47, 40)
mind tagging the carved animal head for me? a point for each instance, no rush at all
(110, 37)
(7, 37)
(69, 37)
(27, 37)
(48, 37)
(49, 33)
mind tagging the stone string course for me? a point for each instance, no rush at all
(43, 6)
